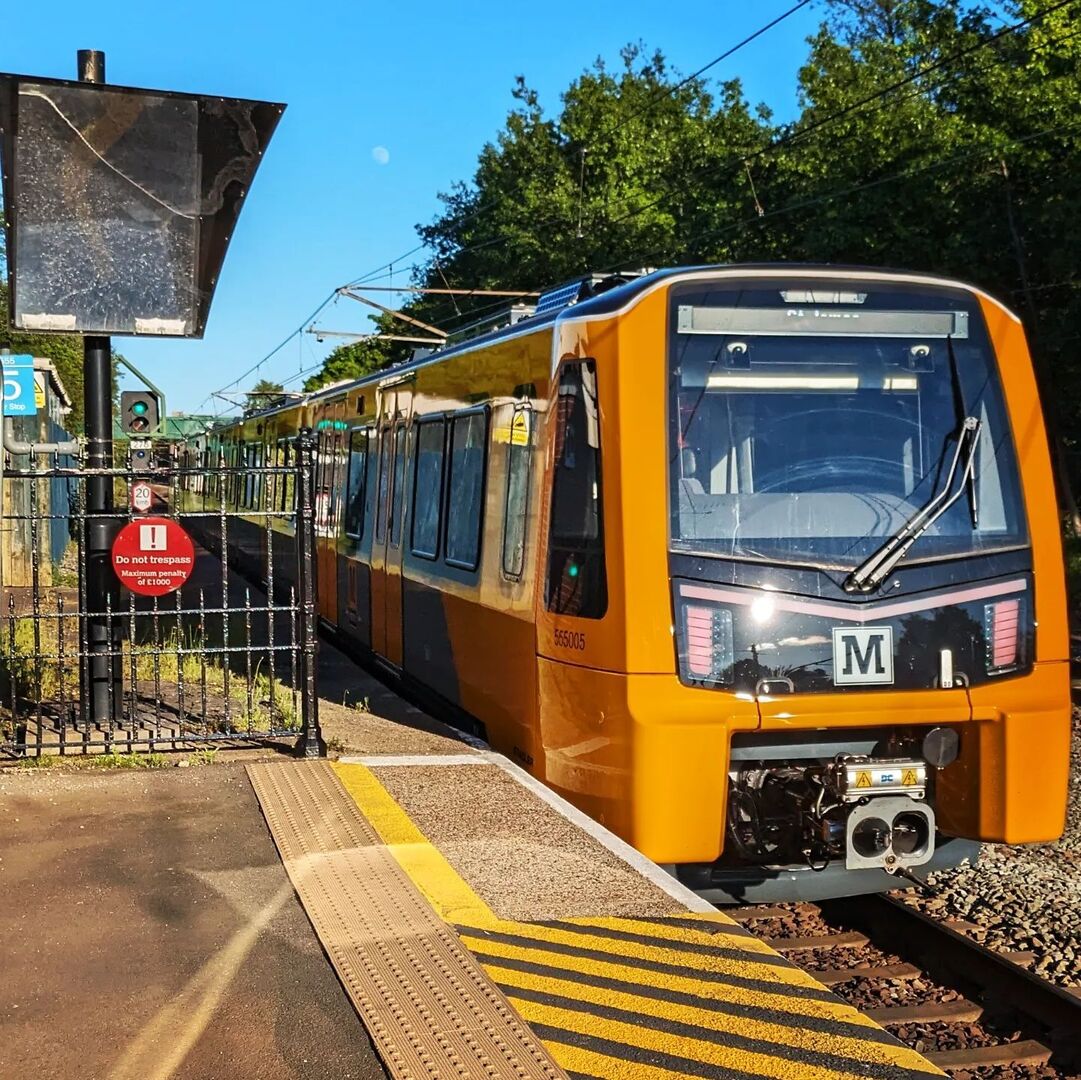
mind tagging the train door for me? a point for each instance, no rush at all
(392, 476)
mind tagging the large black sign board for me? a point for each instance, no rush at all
(119, 203)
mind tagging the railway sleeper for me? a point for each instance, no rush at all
(1026, 1052)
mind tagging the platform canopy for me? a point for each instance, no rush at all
(120, 203)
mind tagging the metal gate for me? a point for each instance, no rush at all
(227, 660)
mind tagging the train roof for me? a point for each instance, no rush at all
(607, 303)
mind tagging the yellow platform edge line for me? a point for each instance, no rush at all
(441, 885)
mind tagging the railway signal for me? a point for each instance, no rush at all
(140, 411)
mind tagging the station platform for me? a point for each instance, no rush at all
(483, 927)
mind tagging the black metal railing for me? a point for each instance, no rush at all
(219, 661)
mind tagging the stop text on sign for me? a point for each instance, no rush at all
(153, 556)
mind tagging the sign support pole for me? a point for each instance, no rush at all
(102, 679)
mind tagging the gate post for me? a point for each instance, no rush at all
(310, 743)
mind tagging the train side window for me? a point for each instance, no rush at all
(465, 488)
(576, 581)
(249, 478)
(232, 478)
(286, 480)
(323, 472)
(516, 506)
(336, 482)
(356, 483)
(428, 487)
(257, 476)
(398, 492)
(382, 492)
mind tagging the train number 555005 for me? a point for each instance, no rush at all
(570, 639)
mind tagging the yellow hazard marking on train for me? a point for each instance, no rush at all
(863, 779)
(910, 778)
(519, 428)
(620, 960)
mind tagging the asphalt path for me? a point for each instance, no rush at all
(148, 931)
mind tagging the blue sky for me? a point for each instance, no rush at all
(429, 83)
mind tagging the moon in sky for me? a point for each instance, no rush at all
(380, 155)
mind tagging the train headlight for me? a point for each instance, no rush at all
(706, 649)
(1002, 628)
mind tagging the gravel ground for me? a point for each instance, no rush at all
(856, 957)
(879, 993)
(799, 920)
(1026, 898)
(928, 1038)
(1009, 1072)
(522, 857)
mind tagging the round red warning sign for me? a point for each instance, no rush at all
(153, 556)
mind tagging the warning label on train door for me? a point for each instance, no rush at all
(153, 556)
(519, 428)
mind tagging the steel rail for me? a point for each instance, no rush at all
(952, 957)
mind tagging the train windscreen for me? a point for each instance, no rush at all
(809, 424)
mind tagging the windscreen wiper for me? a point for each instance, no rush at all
(878, 566)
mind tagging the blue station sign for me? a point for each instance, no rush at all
(19, 397)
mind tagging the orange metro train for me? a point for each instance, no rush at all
(759, 566)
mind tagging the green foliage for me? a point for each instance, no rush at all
(134, 760)
(358, 358)
(65, 351)
(264, 394)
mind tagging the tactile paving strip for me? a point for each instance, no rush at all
(430, 1009)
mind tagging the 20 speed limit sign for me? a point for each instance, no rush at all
(142, 496)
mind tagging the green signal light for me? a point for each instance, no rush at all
(139, 408)
(572, 570)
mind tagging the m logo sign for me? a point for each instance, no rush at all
(862, 656)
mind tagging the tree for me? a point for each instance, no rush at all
(264, 394)
(64, 350)
(635, 165)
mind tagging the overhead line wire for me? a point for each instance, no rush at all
(789, 138)
(798, 135)
(641, 260)
(817, 125)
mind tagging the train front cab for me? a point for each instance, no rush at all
(710, 684)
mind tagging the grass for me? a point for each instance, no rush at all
(133, 760)
(33, 669)
(271, 703)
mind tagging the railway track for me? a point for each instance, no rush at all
(970, 1010)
